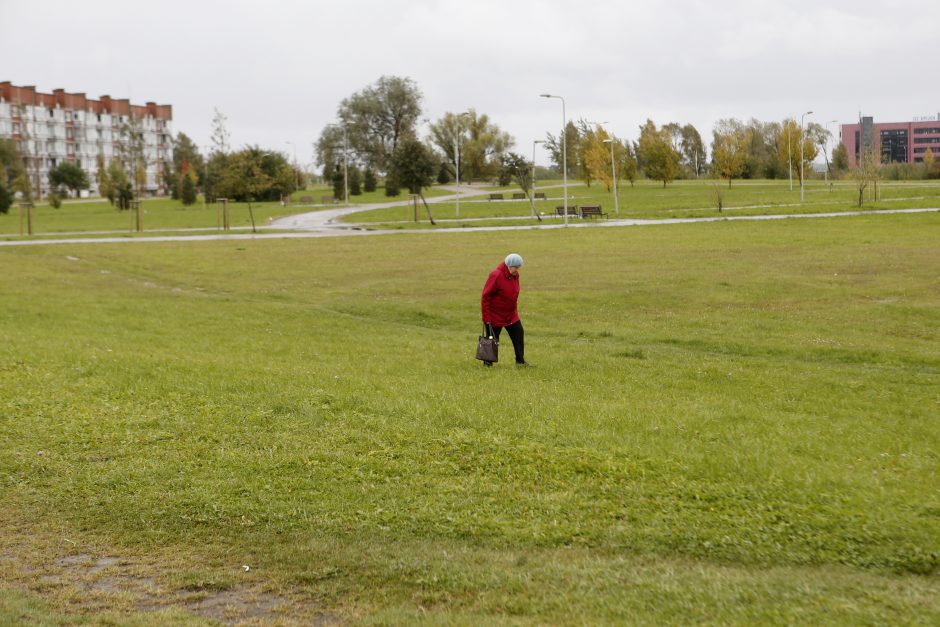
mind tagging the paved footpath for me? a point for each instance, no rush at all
(324, 224)
(327, 219)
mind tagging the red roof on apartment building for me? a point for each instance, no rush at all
(27, 95)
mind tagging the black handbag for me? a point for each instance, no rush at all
(488, 346)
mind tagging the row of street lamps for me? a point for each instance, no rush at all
(564, 159)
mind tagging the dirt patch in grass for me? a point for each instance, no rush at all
(88, 583)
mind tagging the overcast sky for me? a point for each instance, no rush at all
(278, 69)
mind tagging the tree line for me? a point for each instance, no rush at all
(375, 136)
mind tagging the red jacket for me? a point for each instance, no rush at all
(500, 295)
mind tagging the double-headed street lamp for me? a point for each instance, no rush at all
(564, 150)
(802, 143)
(613, 168)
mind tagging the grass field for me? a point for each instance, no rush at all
(682, 199)
(727, 423)
(164, 213)
(158, 214)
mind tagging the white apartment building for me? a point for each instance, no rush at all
(51, 128)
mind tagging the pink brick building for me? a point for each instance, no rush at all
(896, 142)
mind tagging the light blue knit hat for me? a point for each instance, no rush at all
(514, 260)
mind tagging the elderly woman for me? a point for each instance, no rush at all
(500, 295)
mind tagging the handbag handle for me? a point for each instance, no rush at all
(488, 330)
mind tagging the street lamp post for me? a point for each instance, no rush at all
(613, 168)
(457, 159)
(802, 142)
(564, 150)
(535, 142)
(345, 167)
(205, 181)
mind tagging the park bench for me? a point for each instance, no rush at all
(327, 199)
(519, 196)
(591, 211)
(572, 210)
(496, 196)
(306, 199)
(540, 195)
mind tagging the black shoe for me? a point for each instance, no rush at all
(488, 364)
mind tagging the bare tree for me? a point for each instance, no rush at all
(867, 173)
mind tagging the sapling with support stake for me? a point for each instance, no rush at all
(414, 198)
(414, 168)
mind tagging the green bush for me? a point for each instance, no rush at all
(369, 181)
(392, 188)
(6, 197)
(355, 181)
(443, 174)
(339, 183)
(188, 191)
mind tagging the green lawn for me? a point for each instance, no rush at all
(165, 213)
(647, 199)
(728, 423)
(158, 214)
(683, 199)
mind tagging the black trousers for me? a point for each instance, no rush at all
(517, 335)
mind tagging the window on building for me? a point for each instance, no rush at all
(894, 146)
(926, 131)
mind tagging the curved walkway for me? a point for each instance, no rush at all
(326, 219)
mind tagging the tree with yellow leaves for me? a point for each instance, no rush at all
(659, 158)
(596, 156)
(729, 149)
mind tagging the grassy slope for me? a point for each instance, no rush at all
(728, 422)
